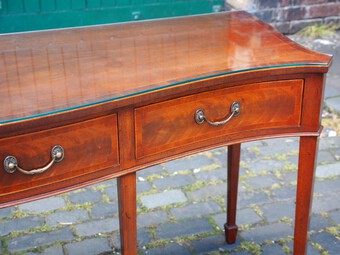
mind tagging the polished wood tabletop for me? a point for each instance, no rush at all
(51, 71)
(111, 100)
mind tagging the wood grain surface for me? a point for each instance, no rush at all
(89, 146)
(52, 71)
(119, 98)
(170, 124)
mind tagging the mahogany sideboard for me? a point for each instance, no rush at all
(84, 105)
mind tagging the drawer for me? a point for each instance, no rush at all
(88, 147)
(171, 124)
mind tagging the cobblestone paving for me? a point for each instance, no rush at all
(181, 207)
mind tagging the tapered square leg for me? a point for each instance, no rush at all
(234, 153)
(305, 180)
(127, 213)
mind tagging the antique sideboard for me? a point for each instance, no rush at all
(84, 105)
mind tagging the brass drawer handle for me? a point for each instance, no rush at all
(235, 110)
(11, 163)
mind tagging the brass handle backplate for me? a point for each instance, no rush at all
(235, 110)
(11, 163)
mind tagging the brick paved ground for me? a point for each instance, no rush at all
(181, 206)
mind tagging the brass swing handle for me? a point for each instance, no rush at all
(11, 163)
(235, 110)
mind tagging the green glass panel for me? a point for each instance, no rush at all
(150, 1)
(122, 2)
(108, 3)
(63, 4)
(71, 13)
(47, 5)
(15, 6)
(78, 4)
(93, 4)
(197, 7)
(3, 7)
(31, 6)
(136, 2)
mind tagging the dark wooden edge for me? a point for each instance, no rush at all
(144, 98)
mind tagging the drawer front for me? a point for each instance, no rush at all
(88, 146)
(169, 125)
